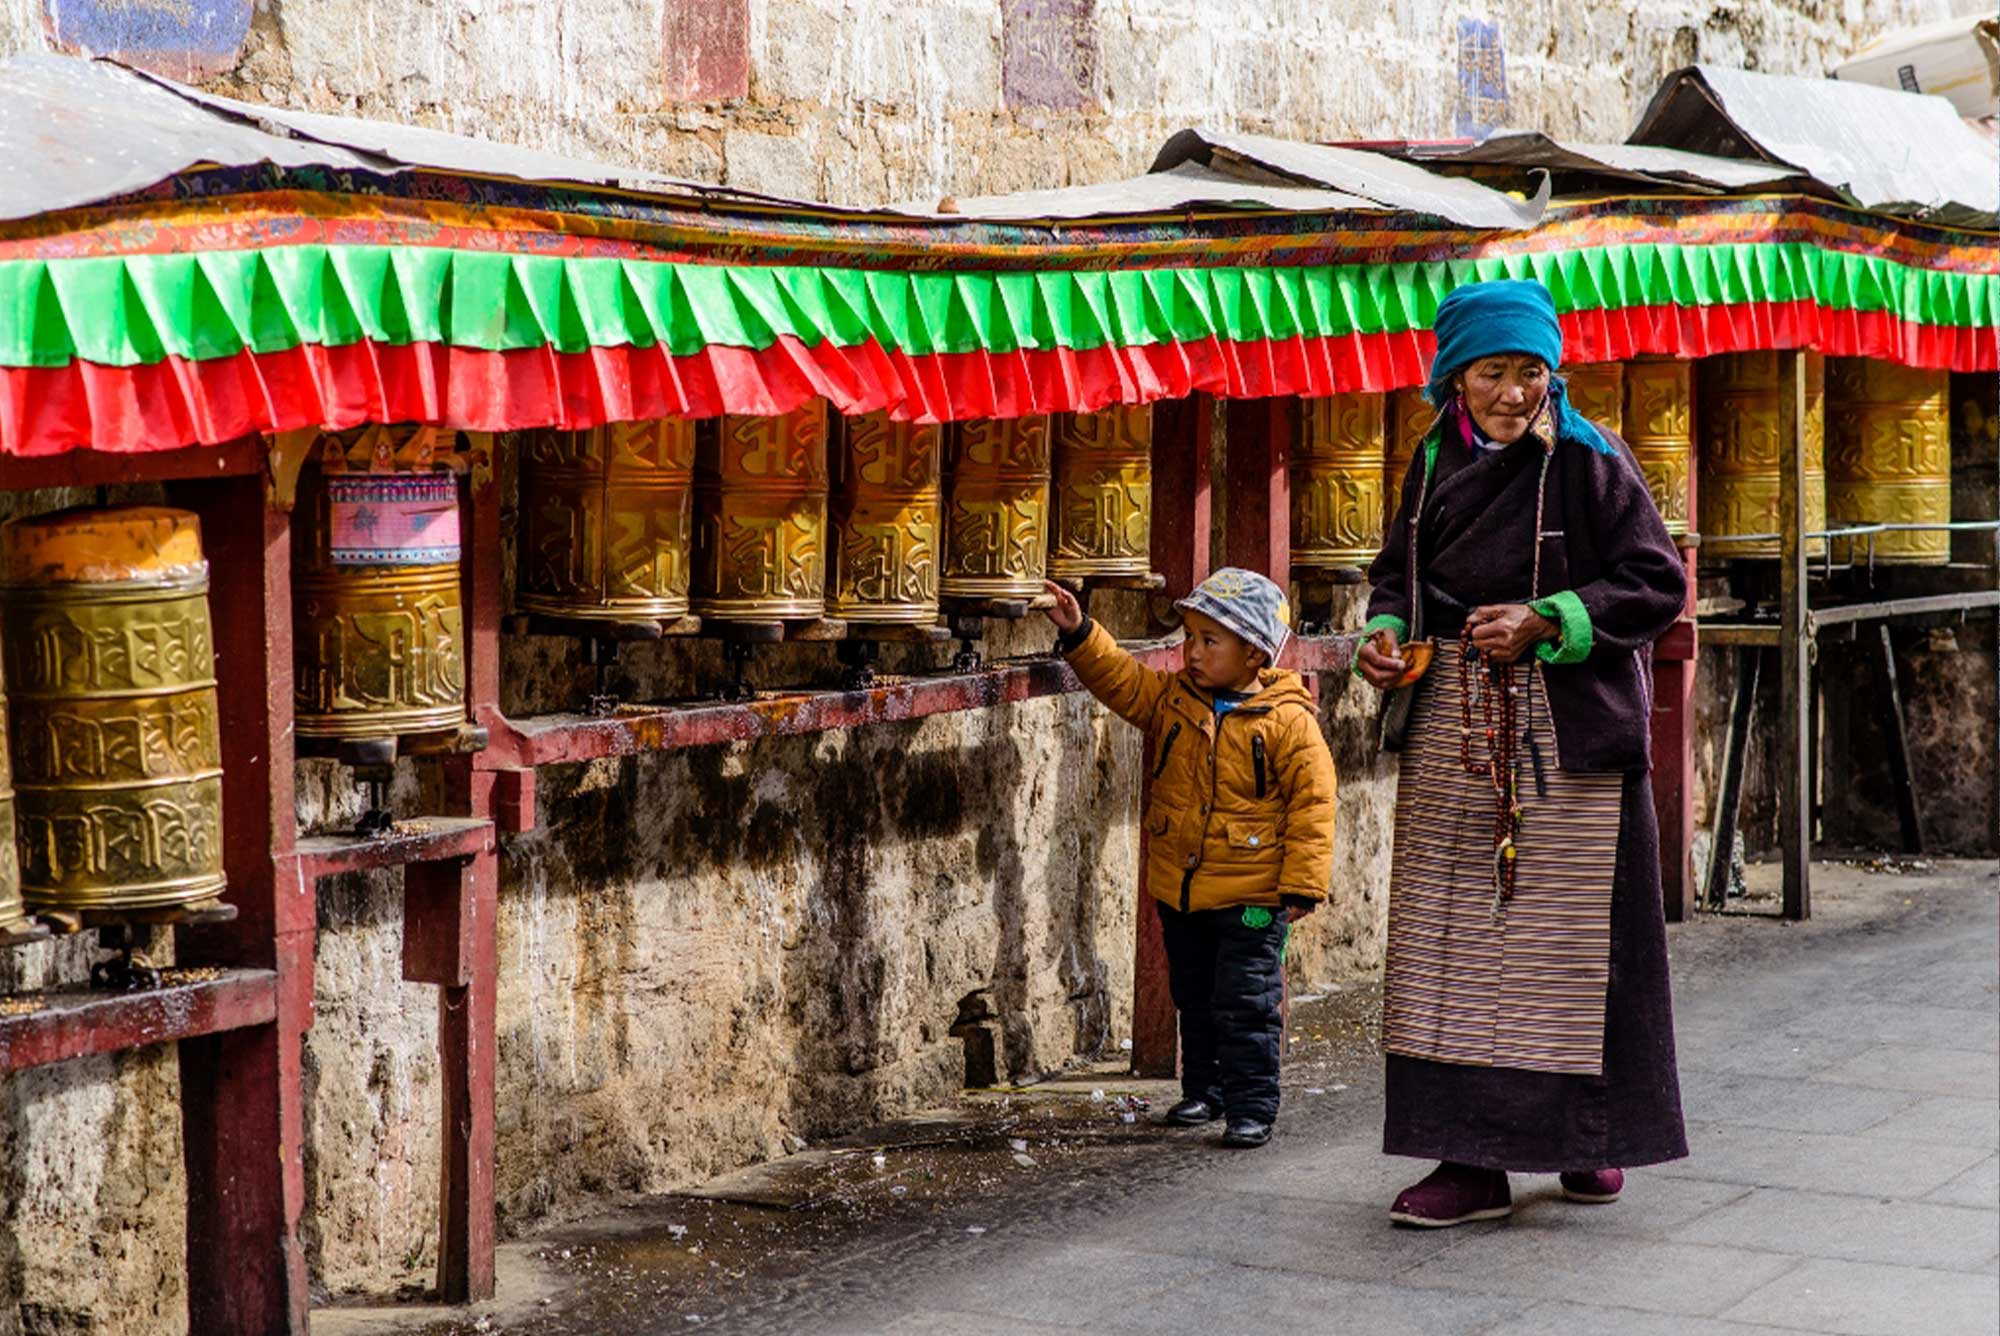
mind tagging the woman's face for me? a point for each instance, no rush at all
(1502, 394)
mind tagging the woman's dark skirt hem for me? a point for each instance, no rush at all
(1542, 1122)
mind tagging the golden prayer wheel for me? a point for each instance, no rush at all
(1888, 457)
(1741, 453)
(609, 520)
(1103, 493)
(12, 912)
(1337, 483)
(760, 517)
(996, 533)
(1410, 416)
(378, 638)
(115, 732)
(887, 511)
(1659, 426)
(1597, 390)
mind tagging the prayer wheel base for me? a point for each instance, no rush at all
(633, 610)
(624, 630)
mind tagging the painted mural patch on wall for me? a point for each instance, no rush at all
(707, 52)
(1048, 53)
(1482, 79)
(182, 39)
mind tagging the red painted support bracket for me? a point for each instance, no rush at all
(83, 1024)
(424, 840)
(513, 800)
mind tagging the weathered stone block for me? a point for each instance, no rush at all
(188, 40)
(707, 49)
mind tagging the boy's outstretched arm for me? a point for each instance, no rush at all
(1128, 689)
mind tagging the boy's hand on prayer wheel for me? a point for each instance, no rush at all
(1381, 660)
(1506, 631)
(1067, 613)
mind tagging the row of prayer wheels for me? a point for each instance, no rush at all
(1877, 452)
(793, 518)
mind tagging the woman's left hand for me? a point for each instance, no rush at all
(1506, 631)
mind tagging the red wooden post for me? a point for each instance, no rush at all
(1181, 439)
(1257, 529)
(466, 1019)
(241, 1121)
(1674, 660)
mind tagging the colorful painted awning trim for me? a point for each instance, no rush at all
(162, 325)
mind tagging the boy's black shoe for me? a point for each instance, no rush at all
(1246, 1132)
(1191, 1113)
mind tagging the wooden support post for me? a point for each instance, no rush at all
(1674, 658)
(1794, 642)
(1729, 788)
(466, 1015)
(242, 1126)
(1181, 440)
(1908, 814)
(1257, 526)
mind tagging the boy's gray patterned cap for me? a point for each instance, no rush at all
(1246, 603)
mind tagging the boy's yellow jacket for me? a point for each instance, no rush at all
(1242, 806)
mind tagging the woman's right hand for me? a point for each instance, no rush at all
(1067, 613)
(1381, 660)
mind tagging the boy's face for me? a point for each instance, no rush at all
(1217, 658)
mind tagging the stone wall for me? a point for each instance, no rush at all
(707, 954)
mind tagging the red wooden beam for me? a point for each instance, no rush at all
(563, 739)
(101, 468)
(241, 1121)
(424, 840)
(81, 1024)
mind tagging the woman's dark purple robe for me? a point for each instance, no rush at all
(1604, 540)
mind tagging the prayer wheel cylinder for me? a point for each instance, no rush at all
(1410, 415)
(1597, 390)
(1888, 457)
(888, 506)
(378, 629)
(116, 744)
(1741, 453)
(1103, 493)
(1337, 483)
(12, 911)
(609, 521)
(760, 508)
(996, 533)
(1659, 426)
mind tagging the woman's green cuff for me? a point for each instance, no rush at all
(1382, 621)
(1566, 610)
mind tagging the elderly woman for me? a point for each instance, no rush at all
(1526, 1015)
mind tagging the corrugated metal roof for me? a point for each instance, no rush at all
(1657, 167)
(1386, 182)
(79, 132)
(1186, 186)
(1895, 152)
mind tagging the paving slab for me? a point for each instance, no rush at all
(1253, 1301)
(1854, 1165)
(1747, 1100)
(1928, 1071)
(1929, 1026)
(1950, 1120)
(1977, 1186)
(1572, 1319)
(1865, 1299)
(1611, 1271)
(1857, 1229)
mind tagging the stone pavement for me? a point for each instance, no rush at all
(1844, 1107)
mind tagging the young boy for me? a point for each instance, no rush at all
(1239, 829)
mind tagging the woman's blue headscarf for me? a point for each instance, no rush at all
(1505, 316)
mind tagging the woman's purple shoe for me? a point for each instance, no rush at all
(1594, 1188)
(1454, 1194)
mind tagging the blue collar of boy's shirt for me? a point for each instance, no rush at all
(1225, 701)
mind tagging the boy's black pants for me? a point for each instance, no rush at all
(1226, 969)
